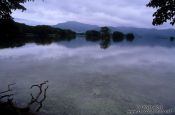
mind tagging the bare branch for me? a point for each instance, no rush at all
(9, 89)
(4, 95)
(36, 98)
(41, 102)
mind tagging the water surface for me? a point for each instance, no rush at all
(87, 79)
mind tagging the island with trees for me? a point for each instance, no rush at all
(105, 36)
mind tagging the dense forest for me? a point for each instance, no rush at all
(16, 34)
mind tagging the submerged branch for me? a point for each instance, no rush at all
(3, 93)
(9, 107)
(35, 99)
(8, 90)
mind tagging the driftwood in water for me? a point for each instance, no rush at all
(4, 94)
(8, 107)
(36, 98)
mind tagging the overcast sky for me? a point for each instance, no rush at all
(97, 12)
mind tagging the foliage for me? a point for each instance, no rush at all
(8, 28)
(117, 36)
(105, 31)
(92, 35)
(16, 34)
(165, 11)
(130, 37)
(172, 39)
(67, 35)
(6, 7)
(104, 36)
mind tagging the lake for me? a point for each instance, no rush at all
(93, 78)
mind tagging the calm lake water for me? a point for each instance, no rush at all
(86, 79)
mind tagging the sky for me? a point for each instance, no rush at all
(132, 13)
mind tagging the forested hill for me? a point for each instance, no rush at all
(14, 29)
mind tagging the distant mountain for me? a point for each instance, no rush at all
(146, 32)
(140, 32)
(75, 26)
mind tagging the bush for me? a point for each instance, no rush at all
(118, 36)
(92, 35)
(172, 39)
(130, 37)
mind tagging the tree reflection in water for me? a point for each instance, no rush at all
(16, 35)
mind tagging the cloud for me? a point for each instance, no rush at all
(100, 12)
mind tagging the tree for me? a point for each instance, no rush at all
(172, 39)
(105, 33)
(105, 30)
(8, 27)
(6, 7)
(165, 11)
(117, 36)
(92, 35)
(130, 37)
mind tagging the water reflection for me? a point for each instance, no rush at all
(90, 81)
(40, 40)
(15, 34)
(104, 42)
(172, 39)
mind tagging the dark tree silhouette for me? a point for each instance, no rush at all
(105, 33)
(172, 39)
(13, 34)
(165, 11)
(130, 37)
(105, 30)
(8, 27)
(6, 7)
(118, 36)
(105, 43)
(92, 35)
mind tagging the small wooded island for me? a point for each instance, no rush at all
(105, 33)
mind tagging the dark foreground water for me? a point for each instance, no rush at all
(86, 79)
